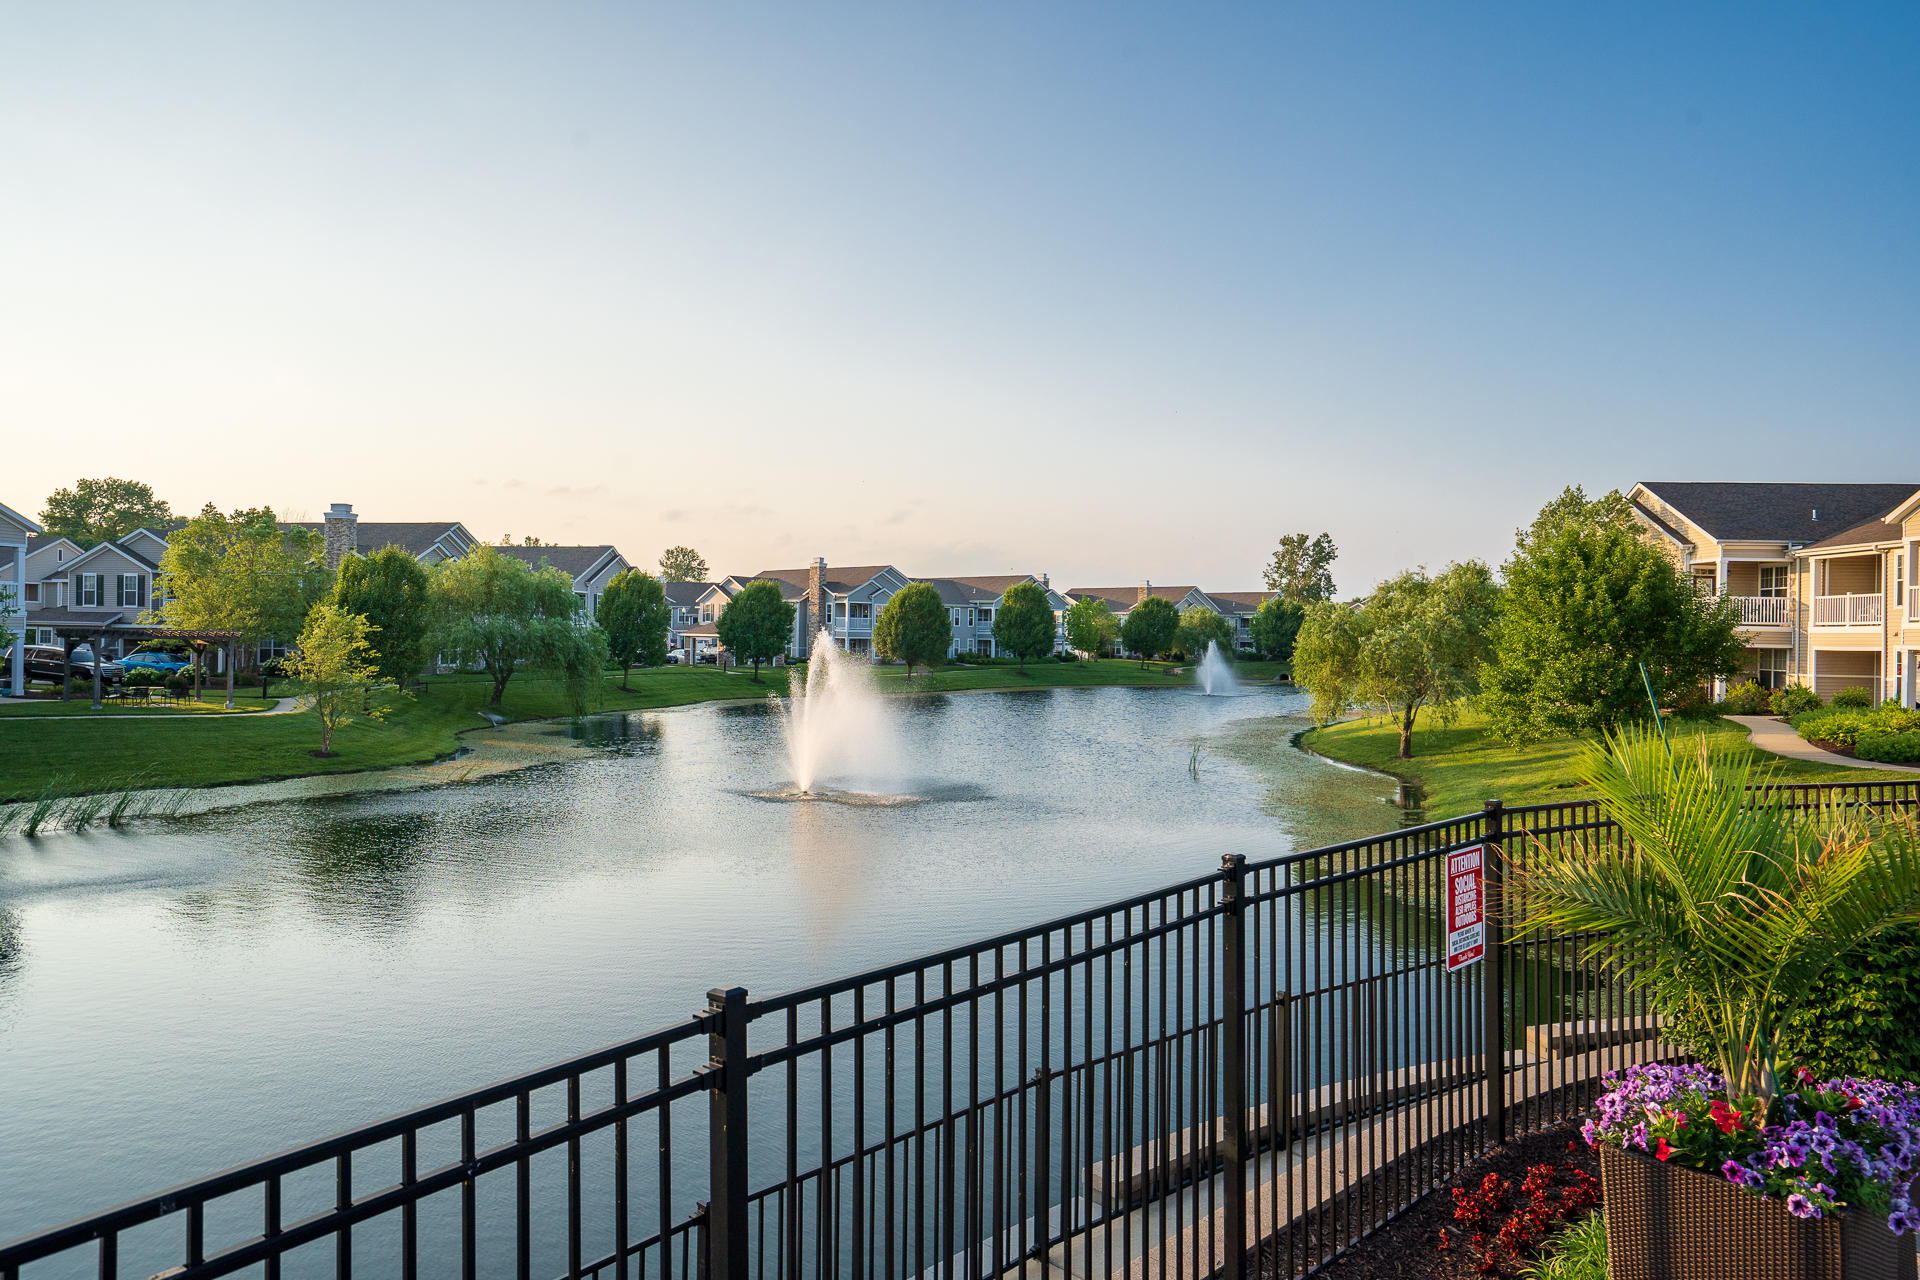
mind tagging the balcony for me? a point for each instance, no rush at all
(1764, 611)
(1849, 610)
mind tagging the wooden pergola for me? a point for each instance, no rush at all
(72, 633)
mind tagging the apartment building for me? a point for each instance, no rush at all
(1821, 574)
(1237, 607)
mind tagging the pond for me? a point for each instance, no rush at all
(189, 993)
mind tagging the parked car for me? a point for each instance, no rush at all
(675, 657)
(154, 660)
(45, 662)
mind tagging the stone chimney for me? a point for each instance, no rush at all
(1146, 589)
(342, 532)
(817, 619)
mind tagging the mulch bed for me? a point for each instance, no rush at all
(1405, 1249)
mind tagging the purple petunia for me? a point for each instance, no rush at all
(1801, 1207)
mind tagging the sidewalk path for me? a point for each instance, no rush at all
(1779, 737)
(281, 707)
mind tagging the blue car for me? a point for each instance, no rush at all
(168, 662)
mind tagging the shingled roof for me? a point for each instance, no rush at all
(838, 579)
(572, 561)
(1766, 512)
(1862, 535)
(416, 536)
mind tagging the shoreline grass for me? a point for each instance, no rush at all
(82, 755)
(1462, 766)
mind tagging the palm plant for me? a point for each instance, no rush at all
(1725, 903)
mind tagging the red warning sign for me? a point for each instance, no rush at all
(1466, 908)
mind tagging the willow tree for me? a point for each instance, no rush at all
(1417, 642)
(500, 614)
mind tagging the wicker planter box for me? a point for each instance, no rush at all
(1668, 1222)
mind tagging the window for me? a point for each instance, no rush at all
(986, 615)
(858, 611)
(954, 616)
(31, 593)
(272, 651)
(132, 591)
(1900, 579)
(1772, 670)
(706, 613)
(971, 616)
(1773, 581)
(86, 591)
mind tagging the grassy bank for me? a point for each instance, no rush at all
(97, 753)
(1463, 766)
(211, 703)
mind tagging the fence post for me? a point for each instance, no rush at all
(1233, 1063)
(1494, 980)
(726, 1236)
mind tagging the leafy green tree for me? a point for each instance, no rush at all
(1417, 642)
(1200, 627)
(241, 572)
(503, 616)
(682, 564)
(913, 627)
(1150, 628)
(1024, 623)
(334, 667)
(96, 511)
(633, 615)
(1275, 627)
(1091, 626)
(1302, 568)
(1587, 602)
(1726, 910)
(756, 624)
(389, 590)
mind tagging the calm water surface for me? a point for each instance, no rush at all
(184, 995)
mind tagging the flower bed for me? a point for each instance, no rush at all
(1834, 1146)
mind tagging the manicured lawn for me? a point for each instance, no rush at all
(80, 753)
(1462, 767)
(211, 703)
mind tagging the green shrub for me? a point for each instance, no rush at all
(1853, 696)
(1747, 699)
(1894, 748)
(1793, 700)
(144, 678)
(1846, 726)
(179, 682)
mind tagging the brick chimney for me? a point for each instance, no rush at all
(342, 533)
(1146, 589)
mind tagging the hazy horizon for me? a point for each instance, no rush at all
(1106, 293)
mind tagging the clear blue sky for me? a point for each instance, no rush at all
(1111, 292)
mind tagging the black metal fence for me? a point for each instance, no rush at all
(1245, 1072)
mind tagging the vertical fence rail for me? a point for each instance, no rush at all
(1241, 1074)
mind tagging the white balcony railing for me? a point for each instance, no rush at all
(1763, 611)
(1849, 611)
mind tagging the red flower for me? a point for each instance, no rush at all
(1662, 1151)
(1724, 1115)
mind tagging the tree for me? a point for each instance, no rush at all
(1091, 626)
(913, 627)
(389, 590)
(1587, 602)
(1150, 628)
(1275, 627)
(1726, 908)
(241, 572)
(633, 614)
(96, 511)
(1200, 627)
(1024, 622)
(682, 564)
(756, 624)
(1417, 642)
(1301, 568)
(506, 540)
(334, 666)
(502, 615)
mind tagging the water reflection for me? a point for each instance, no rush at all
(182, 995)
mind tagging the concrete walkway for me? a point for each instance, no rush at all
(281, 707)
(1777, 736)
